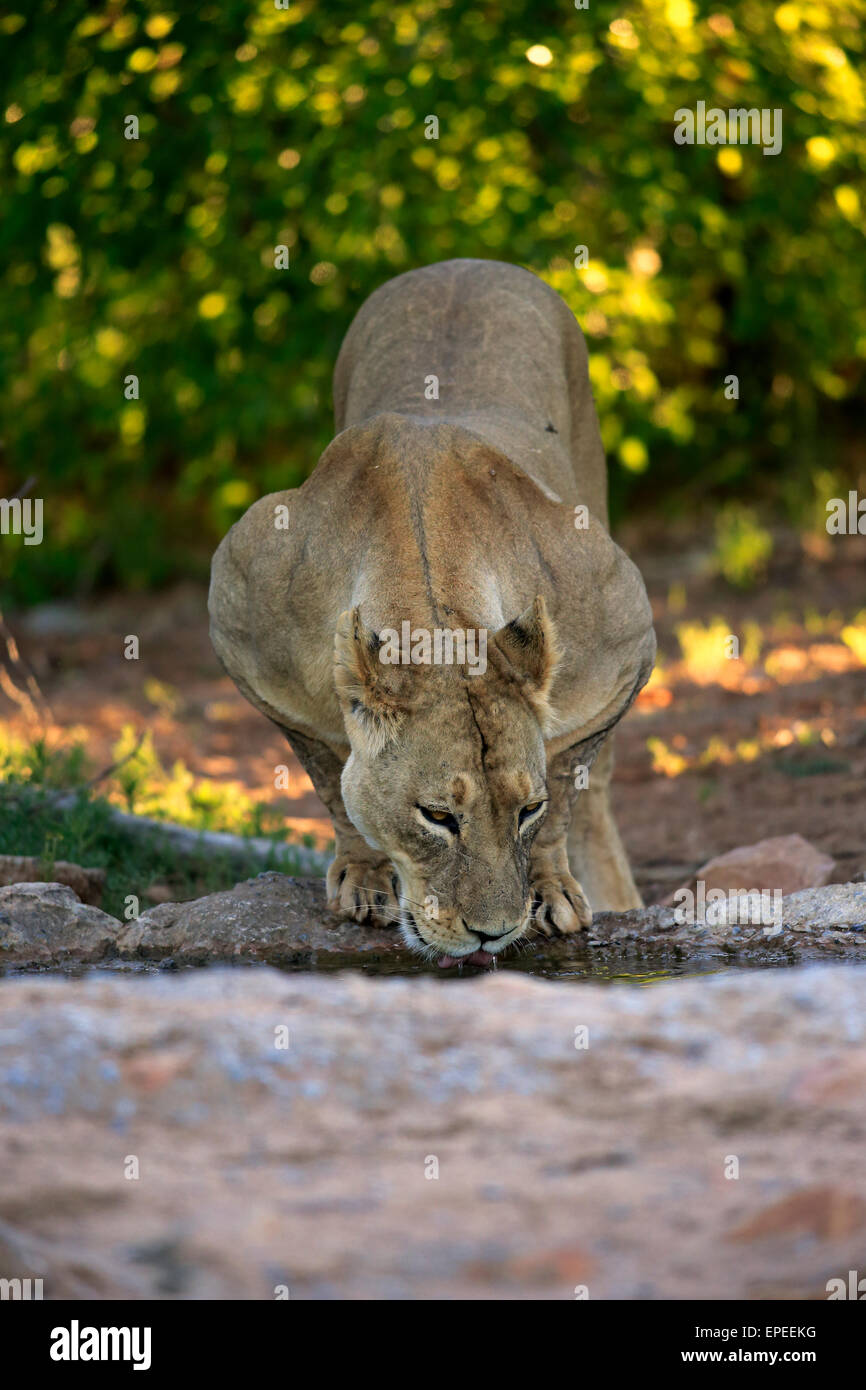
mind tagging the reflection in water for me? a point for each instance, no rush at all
(609, 974)
(638, 973)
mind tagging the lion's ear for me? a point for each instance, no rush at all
(530, 644)
(365, 685)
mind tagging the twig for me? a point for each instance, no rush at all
(29, 698)
(65, 796)
(25, 487)
(106, 772)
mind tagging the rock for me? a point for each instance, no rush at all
(158, 893)
(423, 1139)
(88, 884)
(826, 1212)
(46, 924)
(838, 905)
(74, 1274)
(784, 862)
(273, 918)
(283, 921)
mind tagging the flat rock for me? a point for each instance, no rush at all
(784, 862)
(46, 924)
(88, 884)
(283, 921)
(226, 1133)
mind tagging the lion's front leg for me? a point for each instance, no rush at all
(362, 883)
(559, 903)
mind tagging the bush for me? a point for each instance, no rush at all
(305, 127)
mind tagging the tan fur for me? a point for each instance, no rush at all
(456, 513)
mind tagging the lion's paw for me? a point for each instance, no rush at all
(559, 904)
(363, 890)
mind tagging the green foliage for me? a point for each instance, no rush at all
(743, 546)
(854, 636)
(32, 823)
(140, 785)
(305, 128)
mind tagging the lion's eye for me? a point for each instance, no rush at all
(529, 811)
(437, 817)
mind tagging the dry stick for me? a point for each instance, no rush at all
(18, 697)
(192, 842)
(106, 772)
(31, 696)
(189, 841)
(25, 487)
(26, 702)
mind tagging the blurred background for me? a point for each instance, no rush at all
(305, 127)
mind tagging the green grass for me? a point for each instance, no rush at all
(85, 834)
(31, 823)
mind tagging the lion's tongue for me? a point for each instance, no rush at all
(479, 957)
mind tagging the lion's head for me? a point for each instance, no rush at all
(447, 776)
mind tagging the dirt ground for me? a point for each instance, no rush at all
(717, 752)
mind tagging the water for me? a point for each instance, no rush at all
(640, 972)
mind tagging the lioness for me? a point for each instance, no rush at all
(464, 495)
